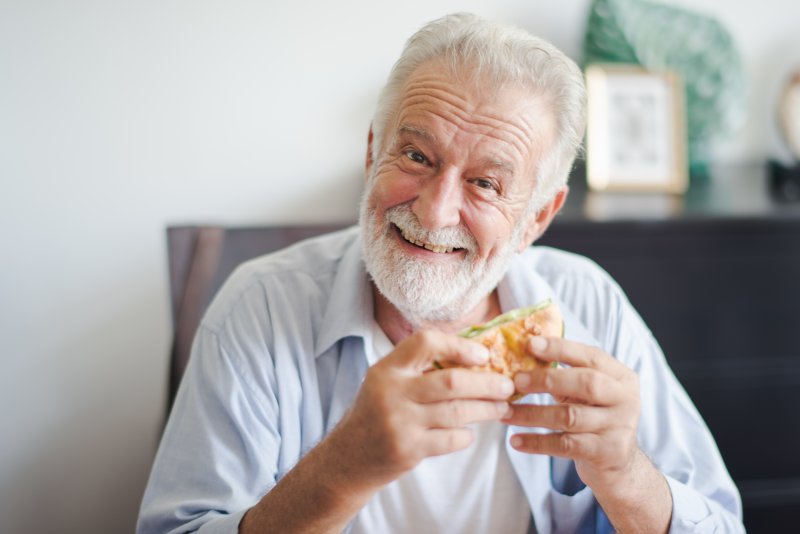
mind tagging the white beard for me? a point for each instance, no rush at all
(426, 292)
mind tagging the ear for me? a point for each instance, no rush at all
(541, 220)
(369, 160)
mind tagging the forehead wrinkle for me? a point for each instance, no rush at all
(520, 139)
(427, 86)
(467, 119)
(432, 86)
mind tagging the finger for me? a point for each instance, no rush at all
(579, 384)
(561, 444)
(564, 417)
(457, 383)
(459, 413)
(443, 441)
(423, 347)
(554, 349)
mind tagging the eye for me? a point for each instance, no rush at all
(415, 155)
(485, 183)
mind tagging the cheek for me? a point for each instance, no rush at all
(491, 229)
(389, 191)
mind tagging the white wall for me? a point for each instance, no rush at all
(118, 118)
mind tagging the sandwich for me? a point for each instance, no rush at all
(507, 335)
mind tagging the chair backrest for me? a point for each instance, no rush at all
(200, 259)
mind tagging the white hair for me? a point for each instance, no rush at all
(485, 51)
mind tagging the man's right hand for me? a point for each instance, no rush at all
(403, 413)
(406, 411)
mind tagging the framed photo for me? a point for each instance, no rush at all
(636, 134)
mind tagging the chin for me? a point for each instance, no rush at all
(427, 287)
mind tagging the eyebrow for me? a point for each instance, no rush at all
(416, 131)
(500, 164)
(493, 162)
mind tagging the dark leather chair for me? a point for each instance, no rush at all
(200, 259)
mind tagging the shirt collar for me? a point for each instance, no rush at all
(349, 309)
(522, 285)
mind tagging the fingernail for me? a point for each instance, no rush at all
(516, 441)
(522, 380)
(505, 410)
(506, 387)
(537, 344)
(478, 354)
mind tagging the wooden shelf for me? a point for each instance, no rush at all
(730, 193)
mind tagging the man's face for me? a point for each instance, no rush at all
(446, 201)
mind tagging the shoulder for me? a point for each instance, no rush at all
(299, 276)
(559, 267)
(589, 293)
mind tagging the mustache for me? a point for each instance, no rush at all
(453, 236)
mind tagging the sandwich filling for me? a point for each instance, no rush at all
(507, 335)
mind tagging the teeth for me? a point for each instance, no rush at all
(440, 249)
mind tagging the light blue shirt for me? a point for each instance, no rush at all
(283, 349)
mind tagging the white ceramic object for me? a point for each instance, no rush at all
(790, 114)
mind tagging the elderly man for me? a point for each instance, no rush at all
(309, 404)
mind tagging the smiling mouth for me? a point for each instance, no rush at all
(439, 249)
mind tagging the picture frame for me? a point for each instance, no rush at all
(636, 133)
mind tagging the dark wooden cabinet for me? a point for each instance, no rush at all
(716, 276)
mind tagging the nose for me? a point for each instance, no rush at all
(438, 204)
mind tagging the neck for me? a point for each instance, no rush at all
(397, 327)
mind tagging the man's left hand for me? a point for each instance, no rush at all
(596, 414)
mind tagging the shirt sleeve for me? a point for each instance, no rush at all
(675, 437)
(219, 451)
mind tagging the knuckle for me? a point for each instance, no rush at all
(548, 378)
(373, 373)
(376, 378)
(591, 385)
(570, 417)
(595, 357)
(452, 440)
(458, 412)
(618, 444)
(566, 444)
(402, 450)
(391, 447)
(401, 456)
(630, 424)
(389, 424)
(457, 439)
(382, 403)
(451, 380)
(425, 336)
